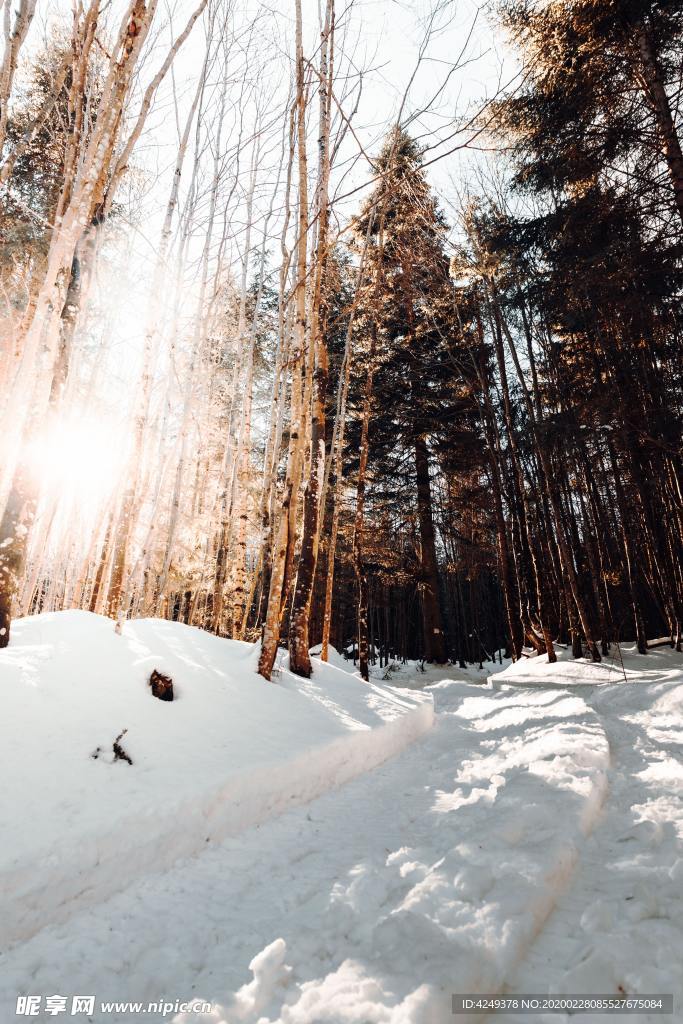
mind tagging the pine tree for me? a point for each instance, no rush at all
(599, 95)
(421, 397)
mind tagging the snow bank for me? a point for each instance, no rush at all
(623, 664)
(231, 751)
(531, 841)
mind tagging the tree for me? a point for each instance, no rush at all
(421, 398)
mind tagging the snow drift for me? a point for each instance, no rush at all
(229, 752)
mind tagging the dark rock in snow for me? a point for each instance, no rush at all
(162, 686)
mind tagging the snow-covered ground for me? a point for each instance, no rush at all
(230, 751)
(619, 927)
(531, 841)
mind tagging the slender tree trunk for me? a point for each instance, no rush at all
(300, 661)
(283, 552)
(14, 36)
(358, 526)
(656, 94)
(435, 643)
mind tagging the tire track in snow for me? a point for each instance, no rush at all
(617, 929)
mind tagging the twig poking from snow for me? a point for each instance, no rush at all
(119, 752)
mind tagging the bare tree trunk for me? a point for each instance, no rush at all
(336, 453)
(300, 661)
(237, 509)
(16, 522)
(359, 568)
(435, 644)
(286, 530)
(14, 36)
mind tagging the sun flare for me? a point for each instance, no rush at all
(79, 459)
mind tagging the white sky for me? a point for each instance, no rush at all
(382, 38)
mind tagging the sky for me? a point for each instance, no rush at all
(380, 41)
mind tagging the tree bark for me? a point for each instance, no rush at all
(434, 639)
(283, 552)
(299, 658)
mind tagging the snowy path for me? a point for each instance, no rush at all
(619, 926)
(429, 875)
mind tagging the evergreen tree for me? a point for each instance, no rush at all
(420, 406)
(599, 96)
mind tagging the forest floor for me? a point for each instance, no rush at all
(530, 841)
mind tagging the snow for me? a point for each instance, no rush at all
(620, 927)
(621, 665)
(230, 751)
(532, 840)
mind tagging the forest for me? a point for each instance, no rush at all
(300, 363)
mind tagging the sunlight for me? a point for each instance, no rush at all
(79, 459)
